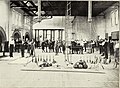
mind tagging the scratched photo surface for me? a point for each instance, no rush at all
(59, 43)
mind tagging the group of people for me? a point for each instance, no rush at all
(25, 47)
(59, 46)
(78, 47)
(48, 46)
(104, 46)
(53, 46)
(109, 47)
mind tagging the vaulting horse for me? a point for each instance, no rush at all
(76, 48)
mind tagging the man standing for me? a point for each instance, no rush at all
(11, 47)
(32, 48)
(56, 48)
(85, 45)
(93, 45)
(106, 50)
(111, 47)
(63, 47)
(3, 48)
(53, 45)
(22, 49)
(116, 54)
(43, 46)
(81, 44)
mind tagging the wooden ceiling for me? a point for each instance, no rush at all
(58, 8)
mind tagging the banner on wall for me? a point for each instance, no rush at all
(115, 35)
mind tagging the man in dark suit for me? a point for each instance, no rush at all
(11, 48)
(106, 50)
(22, 49)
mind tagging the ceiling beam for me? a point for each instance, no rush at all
(11, 3)
(34, 5)
(18, 4)
(27, 8)
(23, 7)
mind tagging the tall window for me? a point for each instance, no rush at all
(116, 16)
(20, 20)
(112, 18)
(25, 20)
(13, 17)
(16, 18)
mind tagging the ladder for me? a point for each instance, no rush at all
(68, 27)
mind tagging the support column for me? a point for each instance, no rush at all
(23, 26)
(58, 34)
(31, 27)
(43, 35)
(51, 34)
(90, 17)
(46, 33)
(35, 35)
(105, 25)
(38, 35)
(61, 34)
(9, 14)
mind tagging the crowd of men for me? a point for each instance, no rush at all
(109, 47)
(57, 46)
(25, 47)
(104, 46)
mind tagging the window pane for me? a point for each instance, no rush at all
(116, 16)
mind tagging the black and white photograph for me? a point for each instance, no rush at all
(59, 43)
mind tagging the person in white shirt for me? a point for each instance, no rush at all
(11, 47)
(116, 54)
(85, 45)
(82, 43)
(3, 48)
(103, 43)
